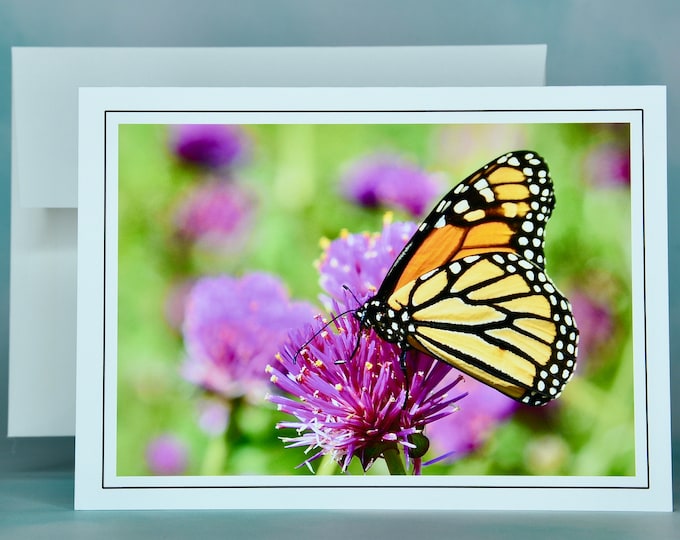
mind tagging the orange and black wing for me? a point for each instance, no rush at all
(503, 207)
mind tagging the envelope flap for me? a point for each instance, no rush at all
(45, 83)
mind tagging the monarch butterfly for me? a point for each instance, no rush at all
(470, 287)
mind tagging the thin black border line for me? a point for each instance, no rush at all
(104, 307)
(433, 111)
(644, 302)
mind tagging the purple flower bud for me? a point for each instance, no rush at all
(216, 215)
(607, 165)
(208, 145)
(594, 321)
(166, 455)
(213, 416)
(391, 181)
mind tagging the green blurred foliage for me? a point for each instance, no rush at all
(293, 172)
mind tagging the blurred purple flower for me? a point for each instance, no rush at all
(216, 215)
(392, 181)
(166, 455)
(360, 261)
(232, 330)
(175, 303)
(607, 165)
(594, 321)
(480, 413)
(208, 145)
(350, 402)
(213, 416)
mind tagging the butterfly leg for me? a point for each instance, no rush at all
(402, 365)
(354, 351)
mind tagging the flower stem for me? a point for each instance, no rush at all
(327, 467)
(214, 458)
(393, 460)
(233, 433)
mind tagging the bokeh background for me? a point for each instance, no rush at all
(204, 201)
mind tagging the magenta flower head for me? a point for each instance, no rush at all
(166, 455)
(208, 145)
(607, 165)
(390, 181)
(216, 215)
(360, 261)
(233, 328)
(347, 393)
(595, 321)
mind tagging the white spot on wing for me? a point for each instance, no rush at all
(427, 275)
(461, 206)
(487, 194)
(443, 205)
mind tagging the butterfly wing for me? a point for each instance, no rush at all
(496, 317)
(503, 207)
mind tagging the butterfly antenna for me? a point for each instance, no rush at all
(361, 321)
(346, 287)
(319, 331)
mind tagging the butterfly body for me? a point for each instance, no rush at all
(470, 287)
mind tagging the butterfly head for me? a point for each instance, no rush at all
(388, 323)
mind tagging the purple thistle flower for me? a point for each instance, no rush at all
(594, 320)
(607, 165)
(360, 261)
(392, 181)
(349, 399)
(480, 413)
(166, 455)
(216, 215)
(208, 145)
(232, 330)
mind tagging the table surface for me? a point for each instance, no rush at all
(39, 506)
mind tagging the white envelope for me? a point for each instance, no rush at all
(45, 84)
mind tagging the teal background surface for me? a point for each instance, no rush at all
(606, 42)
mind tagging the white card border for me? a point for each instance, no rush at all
(102, 109)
